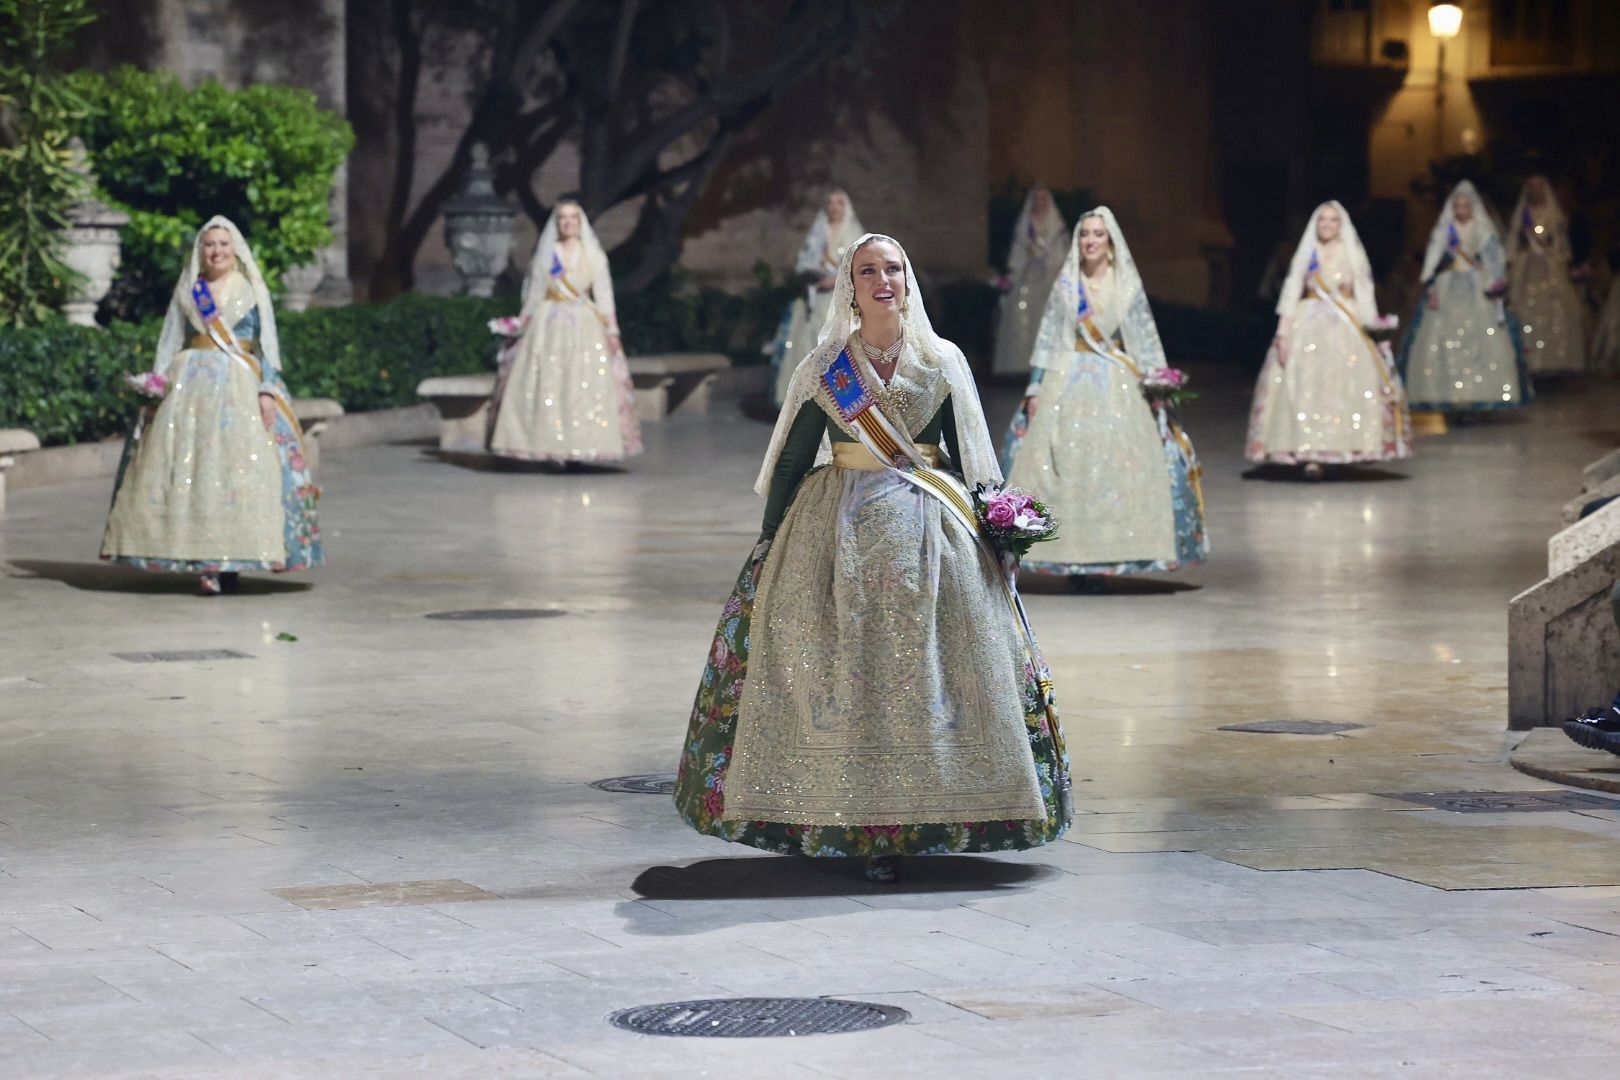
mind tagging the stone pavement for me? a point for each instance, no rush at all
(372, 850)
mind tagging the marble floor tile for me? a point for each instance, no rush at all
(373, 852)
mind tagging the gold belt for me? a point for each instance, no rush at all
(853, 455)
(203, 341)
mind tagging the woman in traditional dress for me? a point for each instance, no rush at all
(835, 227)
(1327, 395)
(1087, 441)
(563, 394)
(1462, 352)
(1033, 261)
(214, 480)
(872, 689)
(1540, 293)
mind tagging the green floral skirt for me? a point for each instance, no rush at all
(701, 783)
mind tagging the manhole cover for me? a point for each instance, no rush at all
(495, 614)
(658, 783)
(1504, 802)
(1294, 727)
(753, 1018)
(161, 657)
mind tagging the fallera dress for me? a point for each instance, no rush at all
(1540, 293)
(205, 488)
(871, 694)
(1034, 260)
(1122, 473)
(1335, 397)
(562, 395)
(1462, 350)
(819, 255)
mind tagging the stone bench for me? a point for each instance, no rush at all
(13, 441)
(1563, 649)
(313, 415)
(664, 383)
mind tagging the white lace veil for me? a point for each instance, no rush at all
(1549, 215)
(1366, 306)
(1474, 234)
(546, 247)
(1046, 232)
(978, 462)
(824, 235)
(183, 313)
(1056, 337)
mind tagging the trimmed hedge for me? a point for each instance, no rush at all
(66, 383)
(371, 356)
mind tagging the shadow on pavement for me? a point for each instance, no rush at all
(481, 462)
(116, 577)
(782, 876)
(1032, 583)
(1331, 474)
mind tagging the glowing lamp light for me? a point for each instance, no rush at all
(1445, 20)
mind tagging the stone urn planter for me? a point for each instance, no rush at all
(91, 245)
(478, 228)
(298, 284)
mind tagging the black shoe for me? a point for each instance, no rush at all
(1596, 729)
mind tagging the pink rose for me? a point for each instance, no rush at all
(1000, 512)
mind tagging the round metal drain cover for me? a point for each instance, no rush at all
(495, 614)
(1294, 727)
(754, 1018)
(657, 783)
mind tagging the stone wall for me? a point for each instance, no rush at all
(241, 43)
(953, 97)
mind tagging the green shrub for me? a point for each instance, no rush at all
(672, 314)
(263, 156)
(65, 383)
(38, 186)
(371, 356)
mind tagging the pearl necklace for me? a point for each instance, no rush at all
(884, 356)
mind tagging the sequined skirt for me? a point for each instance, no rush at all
(1549, 312)
(872, 696)
(1120, 485)
(563, 396)
(206, 488)
(1334, 399)
(1460, 355)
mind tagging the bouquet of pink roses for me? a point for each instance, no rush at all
(1014, 520)
(508, 326)
(148, 384)
(1166, 384)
